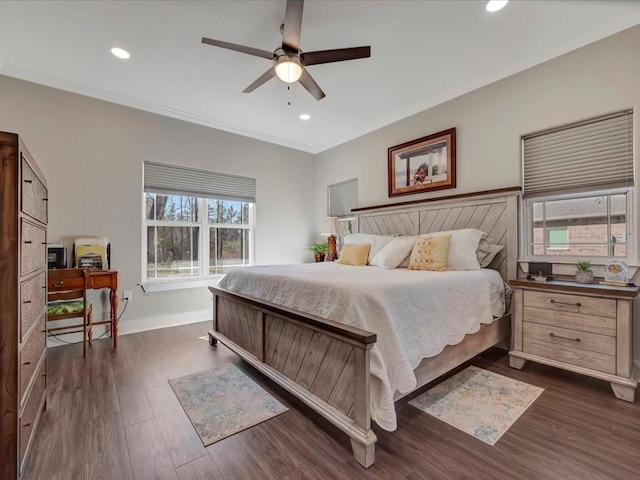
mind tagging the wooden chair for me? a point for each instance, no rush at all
(67, 299)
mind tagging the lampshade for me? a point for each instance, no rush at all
(288, 68)
(331, 226)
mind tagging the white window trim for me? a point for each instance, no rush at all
(203, 280)
(526, 232)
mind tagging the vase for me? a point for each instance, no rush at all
(584, 276)
(319, 257)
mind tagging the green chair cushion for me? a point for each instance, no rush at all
(67, 306)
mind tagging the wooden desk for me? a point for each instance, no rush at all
(98, 280)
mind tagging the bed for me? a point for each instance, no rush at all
(310, 327)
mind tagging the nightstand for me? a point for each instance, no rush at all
(583, 328)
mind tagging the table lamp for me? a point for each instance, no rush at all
(331, 228)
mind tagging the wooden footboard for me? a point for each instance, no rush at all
(323, 363)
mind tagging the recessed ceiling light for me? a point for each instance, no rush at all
(495, 5)
(120, 53)
(305, 116)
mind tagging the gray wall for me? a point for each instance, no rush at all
(92, 152)
(597, 79)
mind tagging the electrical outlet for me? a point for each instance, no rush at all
(126, 295)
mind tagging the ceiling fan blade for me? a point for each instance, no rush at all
(238, 48)
(292, 26)
(337, 55)
(310, 84)
(262, 79)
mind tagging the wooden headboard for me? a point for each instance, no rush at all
(491, 212)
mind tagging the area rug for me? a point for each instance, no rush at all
(478, 402)
(223, 401)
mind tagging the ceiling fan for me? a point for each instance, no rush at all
(289, 62)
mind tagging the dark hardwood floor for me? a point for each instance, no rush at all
(114, 416)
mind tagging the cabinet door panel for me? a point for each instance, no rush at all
(33, 248)
(575, 321)
(582, 349)
(32, 302)
(604, 307)
(34, 194)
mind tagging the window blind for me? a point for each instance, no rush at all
(594, 153)
(342, 197)
(177, 180)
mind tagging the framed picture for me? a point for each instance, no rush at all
(422, 165)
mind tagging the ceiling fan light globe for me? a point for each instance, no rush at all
(288, 68)
(495, 5)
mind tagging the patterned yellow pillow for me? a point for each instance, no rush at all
(430, 253)
(354, 254)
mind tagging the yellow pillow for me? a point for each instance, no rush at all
(430, 253)
(354, 254)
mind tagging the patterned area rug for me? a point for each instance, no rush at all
(478, 402)
(223, 401)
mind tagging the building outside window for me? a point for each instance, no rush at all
(587, 226)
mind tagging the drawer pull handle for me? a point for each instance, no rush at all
(58, 284)
(28, 181)
(45, 199)
(28, 241)
(553, 335)
(27, 301)
(27, 424)
(577, 304)
(26, 363)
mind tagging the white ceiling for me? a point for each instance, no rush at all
(422, 53)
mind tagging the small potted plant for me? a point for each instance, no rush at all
(319, 250)
(584, 274)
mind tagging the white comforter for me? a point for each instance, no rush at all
(415, 314)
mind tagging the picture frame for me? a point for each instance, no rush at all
(422, 165)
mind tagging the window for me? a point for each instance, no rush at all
(230, 230)
(580, 226)
(579, 191)
(195, 227)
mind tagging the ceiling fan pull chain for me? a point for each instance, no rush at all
(289, 93)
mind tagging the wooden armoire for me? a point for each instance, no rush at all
(23, 294)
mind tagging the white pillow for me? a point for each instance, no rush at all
(377, 242)
(487, 250)
(462, 249)
(393, 253)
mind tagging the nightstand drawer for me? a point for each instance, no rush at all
(575, 321)
(602, 307)
(583, 349)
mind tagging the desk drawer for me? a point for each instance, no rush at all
(34, 194)
(574, 321)
(32, 302)
(65, 284)
(583, 349)
(30, 355)
(602, 307)
(33, 254)
(97, 280)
